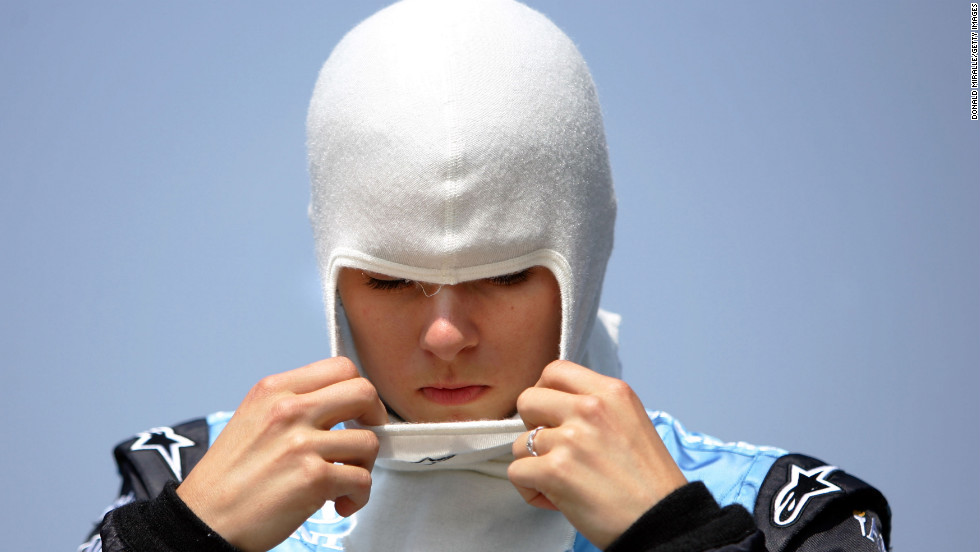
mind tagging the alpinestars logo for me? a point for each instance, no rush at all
(802, 486)
(168, 443)
(429, 461)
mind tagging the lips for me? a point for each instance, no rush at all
(454, 395)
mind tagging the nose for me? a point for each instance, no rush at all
(448, 329)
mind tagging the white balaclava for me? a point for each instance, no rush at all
(457, 140)
(454, 140)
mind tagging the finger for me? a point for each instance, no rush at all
(311, 377)
(522, 446)
(352, 399)
(540, 406)
(563, 375)
(523, 477)
(350, 488)
(535, 498)
(541, 501)
(356, 447)
(346, 507)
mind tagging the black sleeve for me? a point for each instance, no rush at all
(689, 520)
(805, 505)
(162, 524)
(147, 462)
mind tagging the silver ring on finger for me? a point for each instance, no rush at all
(530, 440)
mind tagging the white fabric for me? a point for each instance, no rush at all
(454, 140)
(482, 446)
(453, 511)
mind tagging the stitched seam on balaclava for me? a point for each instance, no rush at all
(453, 153)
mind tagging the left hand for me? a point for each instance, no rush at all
(600, 460)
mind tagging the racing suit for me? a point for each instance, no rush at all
(741, 498)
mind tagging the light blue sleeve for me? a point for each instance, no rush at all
(217, 422)
(733, 471)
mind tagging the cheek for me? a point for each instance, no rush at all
(376, 347)
(362, 316)
(367, 328)
(375, 330)
(550, 320)
(535, 325)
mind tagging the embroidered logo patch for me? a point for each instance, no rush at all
(92, 545)
(325, 529)
(168, 443)
(802, 486)
(870, 530)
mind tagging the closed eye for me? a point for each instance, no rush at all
(387, 284)
(511, 279)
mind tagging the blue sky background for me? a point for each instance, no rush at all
(797, 258)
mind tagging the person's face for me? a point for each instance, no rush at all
(463, 353)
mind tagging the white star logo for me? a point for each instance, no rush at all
(803, 485)
(167, 443)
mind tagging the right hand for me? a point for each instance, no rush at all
(277, 462)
